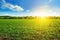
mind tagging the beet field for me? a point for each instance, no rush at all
(29, 29)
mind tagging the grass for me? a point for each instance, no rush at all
(30, 29)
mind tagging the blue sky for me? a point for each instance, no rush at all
(28, 7)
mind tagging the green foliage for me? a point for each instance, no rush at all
(30, 29)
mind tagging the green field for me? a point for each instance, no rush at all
(30, 29)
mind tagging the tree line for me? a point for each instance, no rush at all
(27, 17)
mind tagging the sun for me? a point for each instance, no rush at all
(41, 12)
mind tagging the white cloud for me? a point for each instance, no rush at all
(6, 14)
(49, 1)
(12, 7)
(3, 1)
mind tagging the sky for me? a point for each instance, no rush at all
(30, 7)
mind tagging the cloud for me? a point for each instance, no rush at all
(3, 1)
(49, 1)
(12, 7)
(6, 14)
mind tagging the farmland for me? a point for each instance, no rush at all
(30, 29)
